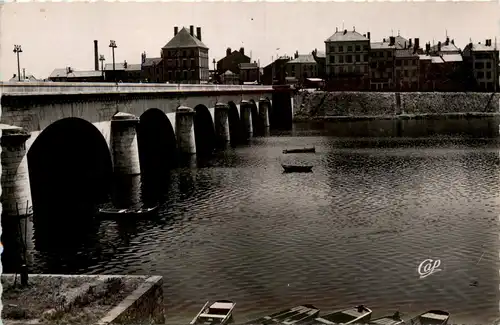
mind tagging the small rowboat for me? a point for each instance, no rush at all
(295, 315)
(297, 168)
(300, 150)
(134, 212)
(431, 317)
(220, 312)
(353, 315)
(388, 320)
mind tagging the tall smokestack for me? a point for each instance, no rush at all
(96, 56)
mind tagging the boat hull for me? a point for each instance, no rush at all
(431, 317)
(304, 150)
(297, 169)
(297, 315)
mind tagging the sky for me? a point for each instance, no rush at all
(59, 35)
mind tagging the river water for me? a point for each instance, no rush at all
(383, 197)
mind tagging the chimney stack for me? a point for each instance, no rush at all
(228, 51)
(447, 40)
(439, 46)
(198, 33)
(191, 30)
(417, 43)
(96, 56)
(296, 55)
(392, 40)
(368, 35)
(242, 50)
(176, 30)
(409, 43)
(453, 41)
(345, 31)
(143, 57)
(427, 48)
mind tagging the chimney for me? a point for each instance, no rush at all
(383, 40)
(228, 51)
(368, 35)
(96, 56)
(176, 30)
(417, 43)
(296, 55)
(191, 30)
(198, 33)
(447, 40)
(409, 43)
(143, 58)
(345, 31)
(392, 40)
(427, 48)
(364, 35)
(439, 46)
(453, 41)
(242, 51)
(336, 29)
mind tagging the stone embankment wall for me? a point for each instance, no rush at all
(321, 104)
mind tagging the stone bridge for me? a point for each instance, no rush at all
(55, 135)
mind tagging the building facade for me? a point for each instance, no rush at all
(185, 57)
(302, 67)
(347, 60)
(382, 55)
(482, 61)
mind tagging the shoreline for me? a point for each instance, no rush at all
(399, 117)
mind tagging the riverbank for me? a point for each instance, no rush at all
(82, 299)
(348, 106)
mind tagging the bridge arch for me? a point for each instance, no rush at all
(235, 127)
(157, 142)
(70, 169)
(204, 131)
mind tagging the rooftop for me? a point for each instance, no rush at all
(346, 36)
(62, 73)
(121, 66)
(246, 66)
(381, 46)
(148, 62)
(405, 53)
(452, 58)
(483, 48)
(184, 39)
(303, 58)
(450, 47)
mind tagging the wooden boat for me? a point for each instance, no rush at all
(297, 168)
(353, 315)
(295, 315)
(220, 312)
(135, 212)
(388, 320)
(300, 150)
(431, 317)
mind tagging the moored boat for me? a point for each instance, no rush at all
(134, 212)
(388, 320)
(219, 312)
(297, 168)
(300, 150)
(431, 317)
(296, 315)
(353, 315)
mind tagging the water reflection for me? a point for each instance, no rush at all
(381, 199)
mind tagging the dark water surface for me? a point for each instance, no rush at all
(353, 231)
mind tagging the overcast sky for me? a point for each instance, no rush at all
(57, 35)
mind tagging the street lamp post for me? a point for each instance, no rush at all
(101, 58)
(17, 50)
(113, 46)
(213, 61)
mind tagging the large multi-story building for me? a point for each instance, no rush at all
(482, 60)
(185, 57)
(347, 59)
(302, 67)
(231, 61)
(406, 65)
(382, 65)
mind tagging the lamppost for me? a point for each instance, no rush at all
(17, 50)
(213, 61)
(101, 58)
(113, 46)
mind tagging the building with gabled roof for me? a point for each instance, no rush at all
(347, 60)
(301, 67)
(185, 57)
(482, 61)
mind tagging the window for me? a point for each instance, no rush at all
(358, 59)
(341, 48)
(480, 75)
(341, 59)
(349, 48)
(389, 75)
(357, 69)
(479, 65)
(488, 65)
(365, 48)
(332, 48)
(358, 48)
(348, 58)
(366, 57)
(406, 73)
(398, 63)
(488, 75)
(332, 58)
(389, 54)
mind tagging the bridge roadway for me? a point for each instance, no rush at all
(189, 114)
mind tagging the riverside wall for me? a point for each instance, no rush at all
(312, 105)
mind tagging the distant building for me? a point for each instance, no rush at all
(302, 67)
(24, 78)
(185, 57)
(447, 68)
(382, 57)
(151, 69)
(122, 72)
(347, 60)
(406, 65)
(482, 61)
(71, 75)
(275, 72)
(320, 58)
(232, 60)
(229, 78)
(249, 72)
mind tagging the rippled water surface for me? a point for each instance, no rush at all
(353, 231)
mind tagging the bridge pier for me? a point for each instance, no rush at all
(124, 144)
(184, 130)
(264, 107)
(246, 118)
(16, 191)
(221, 121)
